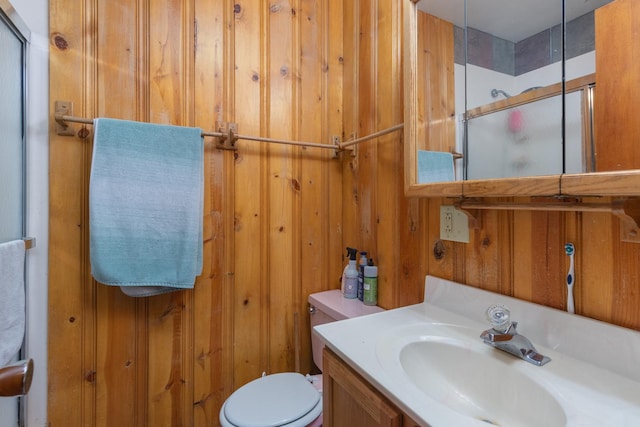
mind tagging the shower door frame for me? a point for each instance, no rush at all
(16, 26)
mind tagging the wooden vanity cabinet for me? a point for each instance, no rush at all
(350, 401)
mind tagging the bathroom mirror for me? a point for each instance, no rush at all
(510, 91)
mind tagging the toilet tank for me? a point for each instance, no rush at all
(329, 306)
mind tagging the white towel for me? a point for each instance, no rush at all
(12, 311)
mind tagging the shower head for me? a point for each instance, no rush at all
(496, 92)
(530, 89)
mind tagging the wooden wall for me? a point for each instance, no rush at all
(277, 218)
(273, 226)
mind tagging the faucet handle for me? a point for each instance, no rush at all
(499, 317)
(536, 358)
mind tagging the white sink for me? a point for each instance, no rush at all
(430, 361)
(480, 386)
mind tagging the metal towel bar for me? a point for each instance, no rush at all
(29, 242)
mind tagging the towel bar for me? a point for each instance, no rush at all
(226, 133)
(29, 242)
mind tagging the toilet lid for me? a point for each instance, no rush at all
(272, 400)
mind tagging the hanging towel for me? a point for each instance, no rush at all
(12, 305)
(145, 206)
(435, 166)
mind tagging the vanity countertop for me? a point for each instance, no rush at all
(594, 374)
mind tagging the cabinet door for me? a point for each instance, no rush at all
(349, 401)
(616, 121)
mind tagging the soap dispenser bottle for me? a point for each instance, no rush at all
(350, 276)
(370, 284)
(361, 264)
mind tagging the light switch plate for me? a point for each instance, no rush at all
(454, 225)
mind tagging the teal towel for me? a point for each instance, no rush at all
(435, 166)
(145, 206)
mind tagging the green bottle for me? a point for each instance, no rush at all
(370, 295)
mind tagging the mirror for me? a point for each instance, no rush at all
(500, 101)
(509, 68)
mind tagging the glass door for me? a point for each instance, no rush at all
(13, 50)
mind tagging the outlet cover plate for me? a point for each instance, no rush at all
(454, 225)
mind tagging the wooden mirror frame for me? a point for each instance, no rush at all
(618, 183)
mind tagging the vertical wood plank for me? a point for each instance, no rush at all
(170, 333)
(387, 183)
(251, 269)
(212, 335)
(626, 293)
(350, 165)
(142, 96)
(283, 183)
(597, 255)
(334, 109)
(72, 391)
(314, 219)
(117, 324)
(482, 263)
(365, 185)
(522, 244)
(66, 323)
(414, 257)
(88, 289)
(548, 259)
(227, 182)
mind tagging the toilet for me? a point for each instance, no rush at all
(290, 399)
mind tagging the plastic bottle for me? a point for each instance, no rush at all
(343, 280)
(361, 264)
(370, 284)
(350, 275)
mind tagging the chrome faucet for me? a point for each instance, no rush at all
(504, 336)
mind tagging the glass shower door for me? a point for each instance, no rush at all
(11, 133)
(12, 153)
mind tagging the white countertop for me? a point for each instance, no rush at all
(594, 373)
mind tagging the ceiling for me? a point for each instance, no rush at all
(511, 20)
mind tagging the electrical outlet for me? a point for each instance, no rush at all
(454, 225)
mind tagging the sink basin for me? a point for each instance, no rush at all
(428, 359)
(479, 382)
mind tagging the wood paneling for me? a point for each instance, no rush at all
(277, 218)
(618, 81)
(436, 110)
(272, 213)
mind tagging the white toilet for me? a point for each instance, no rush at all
(290, 399)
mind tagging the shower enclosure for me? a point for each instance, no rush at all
(522, 135)
(13, 50)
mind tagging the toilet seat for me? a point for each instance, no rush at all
(277, 400)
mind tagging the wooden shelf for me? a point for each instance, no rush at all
(626, 210)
